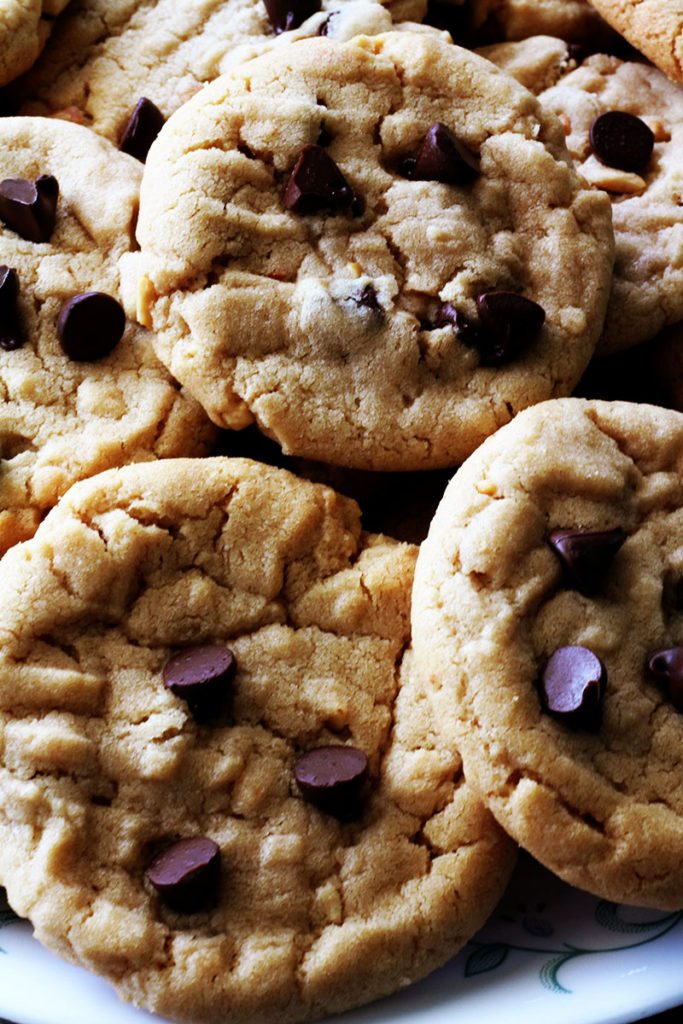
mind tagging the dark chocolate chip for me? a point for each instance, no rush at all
(667, 665)
(332, 778)
(622, 140)
(90, 325)
(201, 675)
(586, 555)
(186, 874)
(287, 14)
(573, 685)
(450, 316)
(509, 323)
(443, 157)
(30, 208)
(368, 298)
(143, 126)
(11, 334)
(316, 183)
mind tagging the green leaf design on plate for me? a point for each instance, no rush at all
(549, 970)
(607, 915)
(486, 958)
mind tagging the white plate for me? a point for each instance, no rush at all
(549, 953)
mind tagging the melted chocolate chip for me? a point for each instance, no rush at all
(442, 157)
(316, 183)
(186, 874)
(622, 140)
(573, 684)
(143, 126)
(287, 14)
(30, 208)
(586, 555)
(331, 778)
(667, 665)
(201, 675)
(90, 326)
(509, 324)
(11, 334)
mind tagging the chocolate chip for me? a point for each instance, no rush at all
(368, 298)
(143, 126)
(509, 323)
(90, 325)
(332, 778)
(622, 140)
(186, 874)
(586, 555)
(287, 14)
(450, 316)
(11, 334)
(667, 665)
(30, 208)
(316, 183)
(573, 684)
(443, 157)
(201, 675)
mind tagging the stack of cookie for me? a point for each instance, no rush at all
(256, 764)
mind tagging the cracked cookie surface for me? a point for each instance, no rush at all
(655, 27)
(103, 764)
(603, 809)
(104, 56)
(63, 419)
(323, 327)
(24, 28)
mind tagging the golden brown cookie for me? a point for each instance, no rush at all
(548, 615)
(378, 250)
(82, 389)
(24, 28)
(624, 124)
(107, 54)
(654, 26)
(178, 640)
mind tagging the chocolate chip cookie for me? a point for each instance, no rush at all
(81, 387)
(548, 615)
(105, 56)
(624, 124)
(379, 250)
(225, 788)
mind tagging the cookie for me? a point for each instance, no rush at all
(647, 290)
(82, 389)
(301, 269)
(548, 614)
(24, 28)
(654, 26)
(214, 666)
(104, 56)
